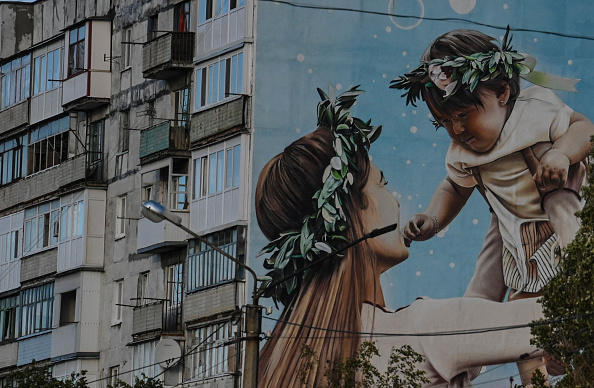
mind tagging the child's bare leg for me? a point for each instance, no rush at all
(528, 367)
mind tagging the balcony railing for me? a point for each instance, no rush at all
(163, 137)
(168, 55)
(163, 316)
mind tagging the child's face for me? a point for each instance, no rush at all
(477, 128)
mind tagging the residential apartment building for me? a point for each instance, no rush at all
(104, 105)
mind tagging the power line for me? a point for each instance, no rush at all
(457, 20)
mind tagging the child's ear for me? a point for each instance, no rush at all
(503, 97)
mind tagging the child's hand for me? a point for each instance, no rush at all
(420, 227)
(552, 170)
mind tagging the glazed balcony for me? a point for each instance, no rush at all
(162, 140)
(168, 55)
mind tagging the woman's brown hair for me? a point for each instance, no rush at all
(326, 315)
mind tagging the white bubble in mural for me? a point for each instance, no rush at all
(298, 130)
(384, 76)
(418, 273)
(420, 206)
(462, 6)
(374, 36)
(505, 6)
(414, 8)
(409, 197)
(570, 62)
(408, 162)
(404, 53)
(430, 115)
(310, 71)
(414, 112)
(475, 222)
(413, 129)
(338, 86)
(431, 251)
(403, 114)
(301, 57)
(452, 265)
(408, 66)
(388, 29)
(393, 148)
(535, 40)
(395, 194)
(434, 144)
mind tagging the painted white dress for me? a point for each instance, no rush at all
(454, 360)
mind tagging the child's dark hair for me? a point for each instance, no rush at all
(459, 43)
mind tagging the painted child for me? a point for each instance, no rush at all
(522, 150)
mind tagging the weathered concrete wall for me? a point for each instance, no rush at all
(16, 28)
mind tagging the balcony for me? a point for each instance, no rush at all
(87, 90)
(163, 140)
(219, 118)
(14, 116)
(160, 316)
(162, 236)
(168, 55)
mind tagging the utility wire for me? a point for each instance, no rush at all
(457, 20)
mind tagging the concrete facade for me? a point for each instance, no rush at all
(104, 106)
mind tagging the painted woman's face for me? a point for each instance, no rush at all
(383, 210)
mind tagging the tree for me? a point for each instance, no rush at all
(567, 332)
(38, 376)
(357, 371)
(142, 382)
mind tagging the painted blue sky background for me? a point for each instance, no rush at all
(300, 49)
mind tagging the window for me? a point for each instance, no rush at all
(13, 160)
(118, 301)
(114, 375)
(182, 107)
(37, 306)
(219, 80)
(143, 360)
(72, 218)
(127, 47)
(120, 216)
(9, 247)
(15, 81)
(8, 316)
(179, 184)
(152, 27)
(96, 142)
(218, 171)
(215, 353)
(218, 7)
(67, 307)
(47, 71)
(76, 51)
(207, 267)
(48, 145)
(142, 289)
(124, 141)
(41, 226)
(182, 17)
(174, 287)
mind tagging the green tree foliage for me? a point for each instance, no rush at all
(358, 371)
(143, 382)
(568, 302)
(37, 376)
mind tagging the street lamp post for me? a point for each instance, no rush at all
(156, 212)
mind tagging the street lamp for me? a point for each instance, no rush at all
(156, 212)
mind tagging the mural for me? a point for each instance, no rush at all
(370, 45)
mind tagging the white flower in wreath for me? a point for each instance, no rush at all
(442, 78)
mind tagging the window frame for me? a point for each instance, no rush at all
(43, 218)
(15, 81)
(121, 214)
(214, 9)
(44, 79)
(76, 50)
(220, 80)
(214, 347)
(127, 48)
(9, 314)
(118, 298)
(210, 178)
(36, 311)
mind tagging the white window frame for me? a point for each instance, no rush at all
(213, 9)
(9, 310)
(143, 360)
(121, 216)
(142, 288)
(72, 219)
(210, 176)
(15, 81)
(41, 224)
(219, 80)
(114, 375)
(37, 307)
(214, 352)
(47, 71)
(118, 301)
(126, 48)
(76, 50)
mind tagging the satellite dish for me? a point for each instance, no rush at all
(167, 352)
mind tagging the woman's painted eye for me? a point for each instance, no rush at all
(462, 115)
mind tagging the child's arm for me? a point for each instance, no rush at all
(448, 199)
(570, 148)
